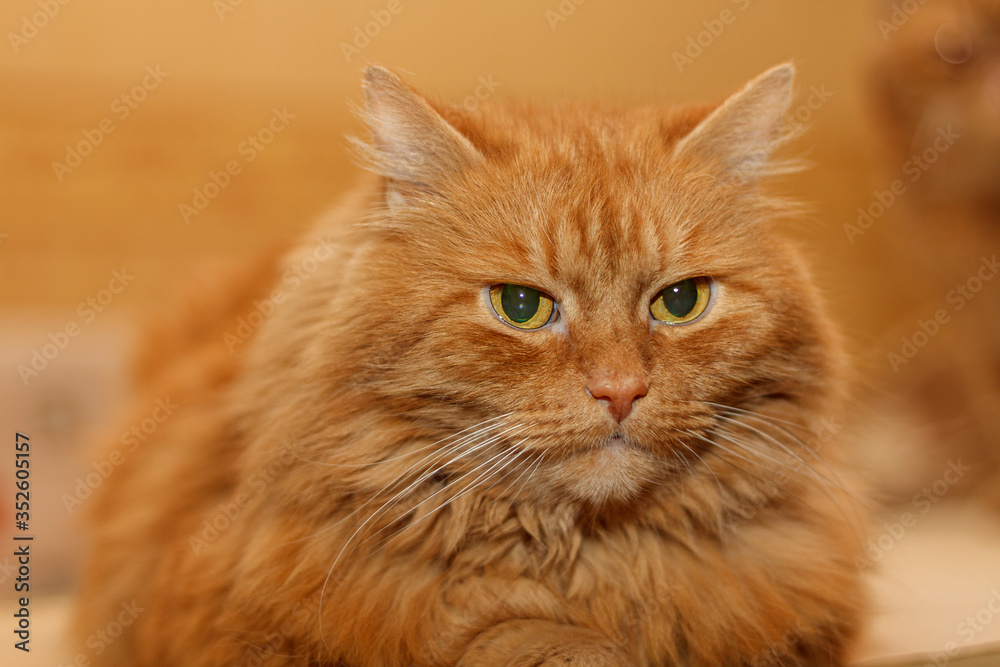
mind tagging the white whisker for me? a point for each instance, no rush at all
(415, 451)
(505, 458)
(770, 418)
(788, 450)
(435, 457)
(809, 473)
(538, 461)
(431, 458)
(705, 463)
(729, 451)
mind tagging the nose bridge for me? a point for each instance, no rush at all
(610, 342)
(613, 370)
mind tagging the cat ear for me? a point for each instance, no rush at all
(413, 147)
(740, 135)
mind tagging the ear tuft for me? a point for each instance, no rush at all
(412, 145)
(741, 134)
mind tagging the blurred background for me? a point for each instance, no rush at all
(143, 145)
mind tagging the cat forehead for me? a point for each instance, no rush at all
(595, 165)
(596, 233)
(642, 213)
(581, 195)
(574, 128)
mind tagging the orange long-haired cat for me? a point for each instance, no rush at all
(551, 389)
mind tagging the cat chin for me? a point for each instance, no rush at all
(614, 471)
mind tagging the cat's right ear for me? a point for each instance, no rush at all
(413, 147)
(738, 138)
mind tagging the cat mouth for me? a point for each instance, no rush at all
(617, 440)
(615, 444)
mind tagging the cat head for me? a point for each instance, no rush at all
(574, 297)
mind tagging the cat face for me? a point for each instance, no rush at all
(592, 291)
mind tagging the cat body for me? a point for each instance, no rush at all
(396, 470)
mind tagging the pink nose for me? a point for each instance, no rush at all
(620, 390)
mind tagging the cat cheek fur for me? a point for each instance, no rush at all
(440, 488)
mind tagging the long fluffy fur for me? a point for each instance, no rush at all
(386, 474)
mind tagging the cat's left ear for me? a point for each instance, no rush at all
(740, 135)
(413, 147)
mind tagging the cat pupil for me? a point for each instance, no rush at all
(519, 303)
(680, 298)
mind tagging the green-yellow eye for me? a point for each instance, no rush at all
(520, 306)
(682, 302)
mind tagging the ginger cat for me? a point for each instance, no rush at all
(548, 389)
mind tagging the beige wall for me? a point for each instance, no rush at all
(225, 74)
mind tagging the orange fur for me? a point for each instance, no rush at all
(556, 534)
